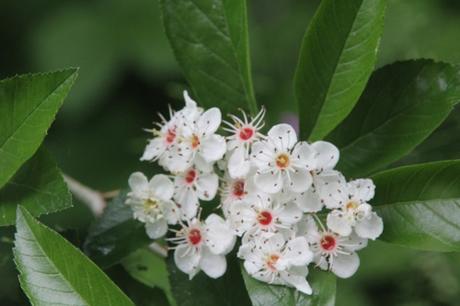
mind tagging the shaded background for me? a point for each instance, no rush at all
(128, 74)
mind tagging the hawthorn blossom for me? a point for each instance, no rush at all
(331, 250)
(273, 260)
(167, 133)
(203, 246)
(281, 161)
(263, 212)
(194, 185)
(355, 213)
(151, 203)
(243, 134)
(198, 146)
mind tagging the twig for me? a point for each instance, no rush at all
(92, 198)
(96, 202)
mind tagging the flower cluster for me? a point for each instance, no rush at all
(282, 196)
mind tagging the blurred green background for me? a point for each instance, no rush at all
(128, 74)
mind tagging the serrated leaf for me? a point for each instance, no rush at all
(210, 42)
(420, 205)
(54, 272)
(149, 269)
(401, 106)
(227, 290)
(115, 234)
(28, 105)
(38, 186)
(322, 283)
(337, 56)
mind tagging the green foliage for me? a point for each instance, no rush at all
(149, 269)
(227, 290)
(401, 106)
(420, 205)
(38, 186)
(210, 42)
(322, 283)
(53, 271)
(28, 105)
(115, 234)
(337, 56)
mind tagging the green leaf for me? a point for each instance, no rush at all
(420, 205)
(149, 269)
(54, 272)
(322, 283)
(28, 105)
(337, 56)
(401, 106)
(38, 186)
(227, 290)
(210, 42)
(115, 234)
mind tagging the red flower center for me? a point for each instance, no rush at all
(265, 217)
(194, 236)
(170, 136)
(246, 133)
(328, 242)
(190, 176)
(238, 188)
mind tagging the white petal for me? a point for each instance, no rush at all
(355, 243)
(206, 186)
(297, 252)
(213, 265)
(272, 243)
(327, 155)
(370, 227)
(297, 281)
(283, 136)
(139, 184)
(238, 165)
(219, 236)
(345, 266)
(331, 188)
(362, 189)
(189, 102)
(156, 229)
(304, 155)
(263, 155)
(269, 181)
(187, 259)
(308, 201)
(171, 212)
(188, 201)
(289, 214)
(162, 187)
(154, 149)
(242, 217)
(338, 223)
(209, 121)
(308, 228)
(300, 180)
(212, 148)
(203, 165)
(177, 158)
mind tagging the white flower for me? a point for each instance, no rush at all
(355, 212)
(191, 186)
(151, 203)
(332, 251)
(262, 212)
(282, 162)
(167, 135)
(198, 144)
(203, 246)
(272, 259)
(244, 134)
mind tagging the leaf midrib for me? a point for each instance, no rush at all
(33, 112)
